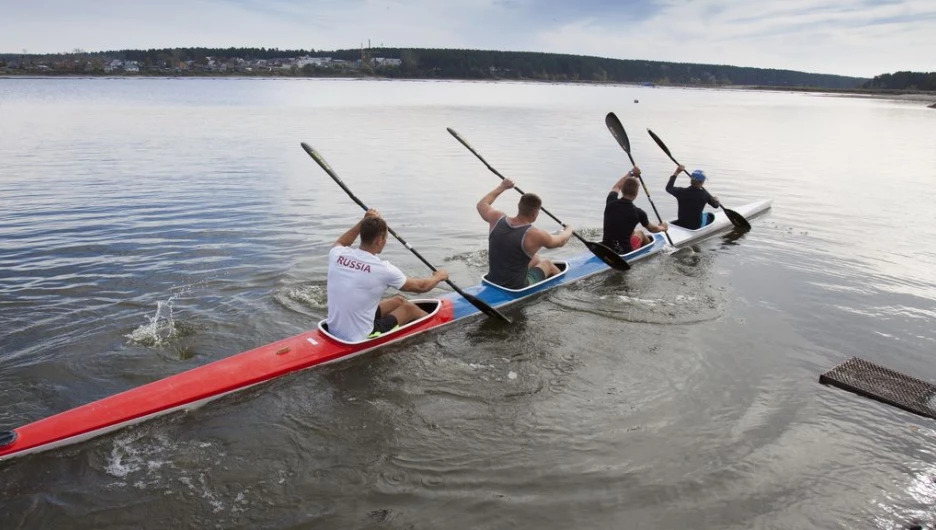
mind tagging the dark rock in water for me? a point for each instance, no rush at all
(635, 101)
(933, 106)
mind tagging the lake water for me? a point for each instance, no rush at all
(149, 226)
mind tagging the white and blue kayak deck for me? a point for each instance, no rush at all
(587, 264)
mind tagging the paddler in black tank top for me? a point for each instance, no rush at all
(513, 241)
(621, 216)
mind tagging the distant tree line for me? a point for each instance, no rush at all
(485, 64)
(481, 64)
(903, 81)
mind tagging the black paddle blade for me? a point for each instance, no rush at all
(737, 219)
(458, 137)
(617, 131)
(608, 255)
(476, 154)
(331, 173)
(466, 144)
(660, 143)
(319, 160)
(485, 308)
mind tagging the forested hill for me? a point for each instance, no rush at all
(904, 81)
(417, 63)
(560, 67)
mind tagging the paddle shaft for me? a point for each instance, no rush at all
(389, 229)
(502, 177)
(487, 309)
(545, 211)
(364, 207)
(605, 253)
(619, 134)
(642, 183)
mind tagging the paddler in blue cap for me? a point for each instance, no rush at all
(692, 200)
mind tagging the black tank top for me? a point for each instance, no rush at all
(507, 261)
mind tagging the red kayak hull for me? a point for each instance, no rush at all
(200, 385)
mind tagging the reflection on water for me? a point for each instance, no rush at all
(150, 226)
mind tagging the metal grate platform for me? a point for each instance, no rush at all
(883, 384)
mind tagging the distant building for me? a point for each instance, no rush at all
(110, 66)
(386, 62)
(131, 67)
(314, 61)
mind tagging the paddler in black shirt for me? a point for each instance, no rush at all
(692, 200)
(621, 216)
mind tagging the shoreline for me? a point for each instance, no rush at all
(891, 94)
(877, 93)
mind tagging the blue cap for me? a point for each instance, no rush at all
(698, 175)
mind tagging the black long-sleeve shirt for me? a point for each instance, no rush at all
(692, 201)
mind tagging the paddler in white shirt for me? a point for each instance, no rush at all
(357, 279)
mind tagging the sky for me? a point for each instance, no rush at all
(849, 37)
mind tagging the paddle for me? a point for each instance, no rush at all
(482, 306)
(736, 219)
(607, 255)
(617, 131)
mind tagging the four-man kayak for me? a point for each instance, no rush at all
(198, 386)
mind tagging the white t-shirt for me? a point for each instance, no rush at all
(357, 281)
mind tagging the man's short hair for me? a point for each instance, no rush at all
(529, 204)
(631, 187)
(372, 228)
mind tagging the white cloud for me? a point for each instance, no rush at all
(831, 36)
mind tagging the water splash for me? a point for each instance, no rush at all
(159, 463)
(594, 234)
(475, 258)
(665, 308)
(313, 295)
(161, 328)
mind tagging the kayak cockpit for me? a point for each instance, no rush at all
(563, 267)
(7, 438)
(709, 220)
(633, 254)
(430, 305)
